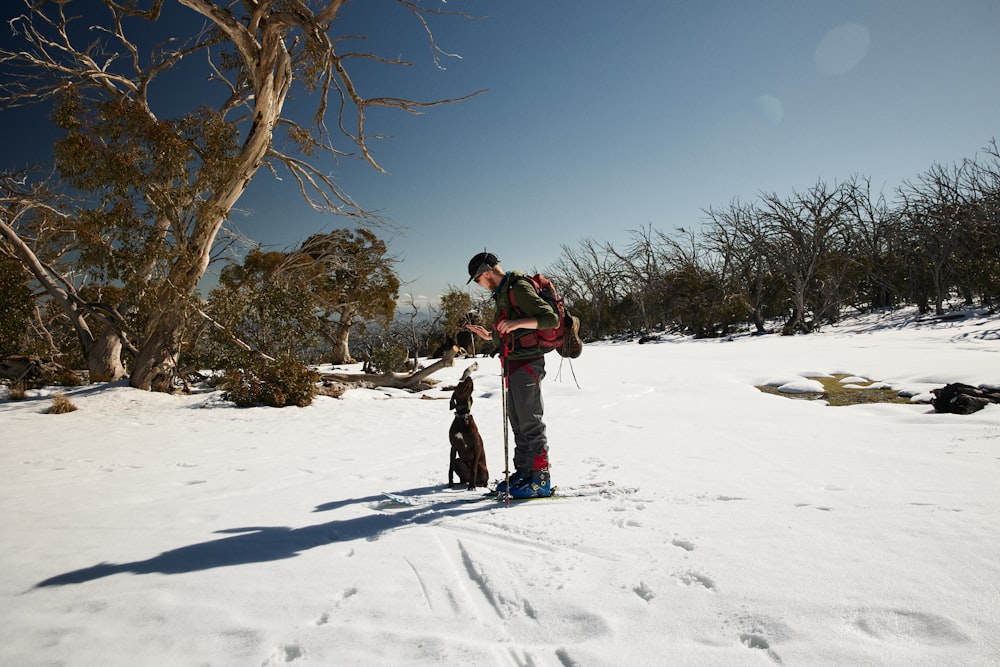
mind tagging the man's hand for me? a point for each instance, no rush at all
(480, 331)
(506, 326)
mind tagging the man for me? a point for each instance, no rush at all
(523, 368)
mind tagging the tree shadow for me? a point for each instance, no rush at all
(261, 544)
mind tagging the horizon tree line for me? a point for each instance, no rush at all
(800, 259)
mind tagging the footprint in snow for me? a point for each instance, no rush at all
(686, 545)
(692, 578)
(284, 655)
(643, 591)
(821, 508)
(755, 641)
(907, 626)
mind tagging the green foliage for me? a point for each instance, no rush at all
(261, 305)
(351, 277)
(285, 303)
(145, 174)
(291, 383)
(350, 273)
(16, 307)
(242, 387)
(387, 356)
(283, 382)
(456, 305)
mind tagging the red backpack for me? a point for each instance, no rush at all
(547, 339)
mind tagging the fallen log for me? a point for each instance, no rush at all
(418, 380)
(32, 371)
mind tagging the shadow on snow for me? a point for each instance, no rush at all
(261, 544)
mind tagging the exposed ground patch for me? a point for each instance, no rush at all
(842, 389)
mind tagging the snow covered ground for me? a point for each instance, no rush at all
(146, 529)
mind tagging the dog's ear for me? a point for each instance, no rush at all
(451, 402)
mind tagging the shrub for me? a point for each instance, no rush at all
(17, 392)
(61, 405)
(285, 381)
(242, 387)
(388, 356)
(291, 382)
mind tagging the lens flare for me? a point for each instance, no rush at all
(842, 49)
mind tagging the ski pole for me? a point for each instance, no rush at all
(505, 387)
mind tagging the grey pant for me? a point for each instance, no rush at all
(524, 410)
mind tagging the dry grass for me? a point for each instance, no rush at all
(61, 405)
(836, 393)
(17, 392)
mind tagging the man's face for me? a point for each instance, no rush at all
(486, 280)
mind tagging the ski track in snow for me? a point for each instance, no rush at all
(484, 554)
(488, 589)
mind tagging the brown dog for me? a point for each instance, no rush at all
(468, 456)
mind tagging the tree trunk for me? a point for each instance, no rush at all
(156, 363)
(104, 359)
(341, 345)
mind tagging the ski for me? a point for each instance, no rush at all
(607, 488)
(449, 497)
(438, 497)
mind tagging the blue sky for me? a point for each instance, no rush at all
(605, 117)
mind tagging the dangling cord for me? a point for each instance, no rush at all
(571, 370)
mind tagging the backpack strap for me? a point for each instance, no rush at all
(527, 280)
(510, 292)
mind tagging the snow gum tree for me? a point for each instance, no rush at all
(350, 276)
(160, 174)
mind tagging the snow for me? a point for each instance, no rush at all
(801, 386)
(146, 529)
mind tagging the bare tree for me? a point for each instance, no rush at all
(936, 212)
(171, 184)
(738, 236)
(592, 283)
(875, 227)
(985, 184)
(642, 270)
(810, 243)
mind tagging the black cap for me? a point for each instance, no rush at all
(481, 262)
